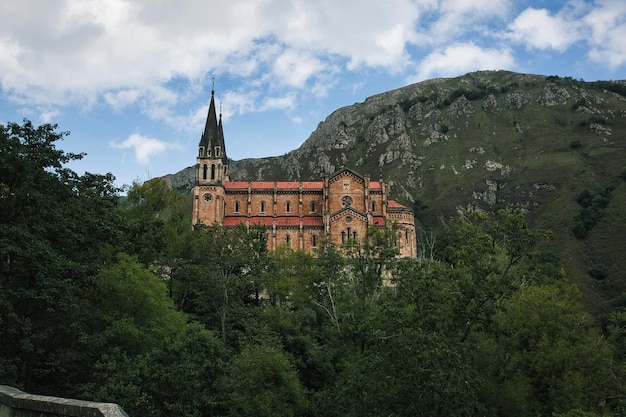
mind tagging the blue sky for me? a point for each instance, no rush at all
(131, 79)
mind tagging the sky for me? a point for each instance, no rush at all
(131, 80)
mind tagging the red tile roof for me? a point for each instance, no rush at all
(394, 204)
(378, 220)
(269, 221)
(236, 185)
(262, 184)
(288, 184)
(234, 221)
(312, 221)
(242, 185)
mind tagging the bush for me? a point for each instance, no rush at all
(598, 273)
(591, 212)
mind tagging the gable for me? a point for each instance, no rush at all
(346, 174)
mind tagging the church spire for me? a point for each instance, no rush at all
(209, 137)
(212, 166)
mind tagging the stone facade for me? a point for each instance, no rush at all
(299, 214)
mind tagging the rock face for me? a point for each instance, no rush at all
(481, 140)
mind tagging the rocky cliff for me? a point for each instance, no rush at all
(481, 141)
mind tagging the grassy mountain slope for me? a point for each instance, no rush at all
(483, 141)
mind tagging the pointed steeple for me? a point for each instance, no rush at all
(220, 135)
(210, 135)
(212, 164)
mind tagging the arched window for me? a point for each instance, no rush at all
(217, 151)
(262, 206)
(212, 171)
(373, 206)
(343, 237)
(236, 206)
(288, 239)
(354, 235)
(288, 207)
(201, 153)
(204, 171)
(314, 241)
(312, 206)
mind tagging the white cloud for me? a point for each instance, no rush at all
(282, 103)
(124, 53)
(294, 68)
(607, 26)
(453, 18)
(461, 58)
(120, 99)
(144, 147)
(538, 29)
(49, 115)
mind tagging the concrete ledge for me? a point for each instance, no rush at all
(15, 403)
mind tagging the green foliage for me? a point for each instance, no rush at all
(615, 87)
(222, 277)
(575, 144)
(135, 311)
(179, 376)
(57, 229)
(262, 382)
(562, 362)
(593, 205)
(470, 94)
(480, 325)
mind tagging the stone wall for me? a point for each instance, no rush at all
(15, 403)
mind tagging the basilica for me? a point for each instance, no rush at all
(296, 213)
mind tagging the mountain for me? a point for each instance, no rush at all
(482, 141)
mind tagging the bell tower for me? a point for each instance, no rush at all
(211, 171)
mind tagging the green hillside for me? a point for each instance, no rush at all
(480, 142)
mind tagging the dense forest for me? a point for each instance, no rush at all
(113, 297)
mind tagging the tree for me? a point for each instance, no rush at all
(261, 382)
(134, 313)
(221, 280)
(179, 376)
(57, 230)
(552, 360)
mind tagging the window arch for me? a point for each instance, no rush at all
(288, 206)
(212, 171)
(262, 206)
(288, 240)
(312, 206)
(204, 171)
(373, 206)
(236, 206)
(314, 241)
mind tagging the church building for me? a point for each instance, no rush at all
(296, 213)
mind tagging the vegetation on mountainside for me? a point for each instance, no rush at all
(120, 300)
(484, 141)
